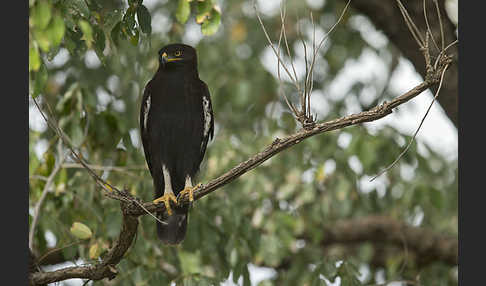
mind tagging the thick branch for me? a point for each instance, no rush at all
(428, 245)
(388, 236)
(104, 269)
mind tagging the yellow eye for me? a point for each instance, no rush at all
(178, 53)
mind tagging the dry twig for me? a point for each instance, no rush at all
(442, 59)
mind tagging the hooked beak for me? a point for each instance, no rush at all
(166, 59)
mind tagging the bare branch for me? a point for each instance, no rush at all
(441, 59)
(304, 114)
(416, 131)
(282, 17)
(277, 54)
(411, 25)
(441, 26)
(428, 27)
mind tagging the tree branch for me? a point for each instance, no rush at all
(383, 232)
(427, 245)
(279, 145)
(105, 268)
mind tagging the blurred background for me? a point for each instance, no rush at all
(90, 60)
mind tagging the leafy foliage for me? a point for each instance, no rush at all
(90, 61)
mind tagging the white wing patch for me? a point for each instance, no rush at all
(207, 116)
(146, 111)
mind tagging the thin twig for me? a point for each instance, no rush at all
(273, 48)
(282, 17)
(442, 38)
(111, 191)
(442, 53)
(411, 25)
(428, 26)
(280, 86)
(55, 126)
(416, 131)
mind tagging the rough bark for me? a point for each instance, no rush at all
(426, 244)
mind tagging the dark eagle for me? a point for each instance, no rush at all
(176, 122)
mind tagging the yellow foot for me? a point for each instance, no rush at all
(189, 190)
(166, 199)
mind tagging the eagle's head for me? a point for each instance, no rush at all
(174, 55)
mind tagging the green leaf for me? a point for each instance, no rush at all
(73, 41)
(53, 52)
(99, 43)
(116, 33)
(99, 39)
(80, 230)
(94, 251)
(34, 58)
(41, 15)
(183, 11)
(42, 39)
(129, 20)
(203, 10)
(40, 79)
(144, 19)
(211, 25)
(134, 38)
(87, 32)
(55, 31)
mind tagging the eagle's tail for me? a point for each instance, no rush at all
(174, 231)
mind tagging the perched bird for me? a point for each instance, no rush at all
(176, 123)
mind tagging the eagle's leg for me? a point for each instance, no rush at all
(166, 198)
(189, 189)
(168, 193)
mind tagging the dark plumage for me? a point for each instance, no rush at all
(176, 122)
